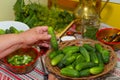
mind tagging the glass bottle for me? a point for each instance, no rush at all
(88, 18)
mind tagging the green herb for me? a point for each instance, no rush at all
(91, 32)
(35, 14)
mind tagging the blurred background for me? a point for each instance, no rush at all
(110, 15)
(6, 8)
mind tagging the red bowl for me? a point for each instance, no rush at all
(102, 33)
(22, 69)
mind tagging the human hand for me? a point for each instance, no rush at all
(36, 36)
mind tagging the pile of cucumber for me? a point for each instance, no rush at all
(80, 61)
(11, 29)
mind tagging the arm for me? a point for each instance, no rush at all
(9, 43)
(12, 42)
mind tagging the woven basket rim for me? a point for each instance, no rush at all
(78, 42)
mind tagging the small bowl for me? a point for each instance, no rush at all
(22, 69)
(106, 33)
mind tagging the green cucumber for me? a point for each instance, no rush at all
(78, 59)
(99, 47)
(100, 59)
(53, 41)
(69, 59)
(105, 53)
(61, 64)
(85, 53)
(84, 73)
(69, 72)
(2, 31)
(106, 56)
(89, 47)
(93, 57)
(96, 70)
(53, 53)
(57, 59)
(7, 31)
(13, 30)
(70, 49)
(70, 66)
(84, 65)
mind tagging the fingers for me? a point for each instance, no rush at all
(43, 33)
(42, 29)
(44, 37)
(44, 45)
(35, 35)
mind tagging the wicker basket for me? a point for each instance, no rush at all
(108, 67)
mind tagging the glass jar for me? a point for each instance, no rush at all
(87, 19)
